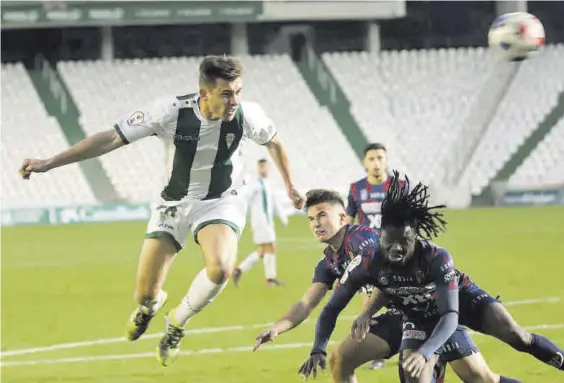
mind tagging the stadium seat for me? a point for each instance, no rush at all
(28, 131)
(413, 101)
(416, 102)
(545, 165)
(315, 144)
(530, 97)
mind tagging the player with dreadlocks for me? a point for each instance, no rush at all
(413, 275)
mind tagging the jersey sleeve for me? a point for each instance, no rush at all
(148, 121)
(364, 242)
(257, 125)
(351, 204)
(322, 274)
(446, 281)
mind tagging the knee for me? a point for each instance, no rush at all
(342, 368)
(334, 361)
(517, 337)
(219, 272)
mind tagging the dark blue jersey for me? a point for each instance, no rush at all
(426, 288)
(334, 263)
(364, 202)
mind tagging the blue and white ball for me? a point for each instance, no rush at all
(516, 36)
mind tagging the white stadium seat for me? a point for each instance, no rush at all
(416, 102)
(530, 97)
(28, 131)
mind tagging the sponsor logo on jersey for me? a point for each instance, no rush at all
(364, 194)
(371, 207)
(185, 137)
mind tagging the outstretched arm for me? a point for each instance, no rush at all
(328, 317)
(139, 124)
(302, 308)
(297, 313)
(92, 146)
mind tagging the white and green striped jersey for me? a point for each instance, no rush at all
(263, 204)
(208, 155)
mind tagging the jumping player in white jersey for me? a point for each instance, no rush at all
(202, 195)
(263, 205)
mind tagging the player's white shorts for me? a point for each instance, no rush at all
(176, 220)
(263, 234)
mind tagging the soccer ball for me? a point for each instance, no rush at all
(516, 36)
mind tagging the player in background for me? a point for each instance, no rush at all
(366, 196)
(263, 205)
(208, 129)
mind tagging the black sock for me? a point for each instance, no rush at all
(546, 351)
(504, 379)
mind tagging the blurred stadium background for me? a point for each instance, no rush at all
(334, 75)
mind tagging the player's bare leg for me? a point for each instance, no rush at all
(474, 369)
(351, 354)
(266, 252)
(219, 246)
(426, 375)
(247, 264)
(269, 262)
(498, 322)
(157, 255)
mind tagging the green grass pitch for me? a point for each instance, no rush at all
(75, 283)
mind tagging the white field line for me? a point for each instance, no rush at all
(205, 351)
(210, 330)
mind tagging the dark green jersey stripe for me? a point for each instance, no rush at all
(229, 139)
(264, 200)
(186, 142)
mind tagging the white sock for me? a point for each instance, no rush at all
(149, 307)
(270, 266)
(249, 262)
(202, 292)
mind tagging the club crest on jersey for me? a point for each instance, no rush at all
(136, 118)
(229, 138)
(383, 279)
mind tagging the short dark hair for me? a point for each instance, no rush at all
(404, 207)
(225, 67)
(374, 146)
(318, 196)
(262, 161)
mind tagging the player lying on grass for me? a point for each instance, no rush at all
(420, 280)
(203, 194)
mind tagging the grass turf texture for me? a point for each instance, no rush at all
(75, 283)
